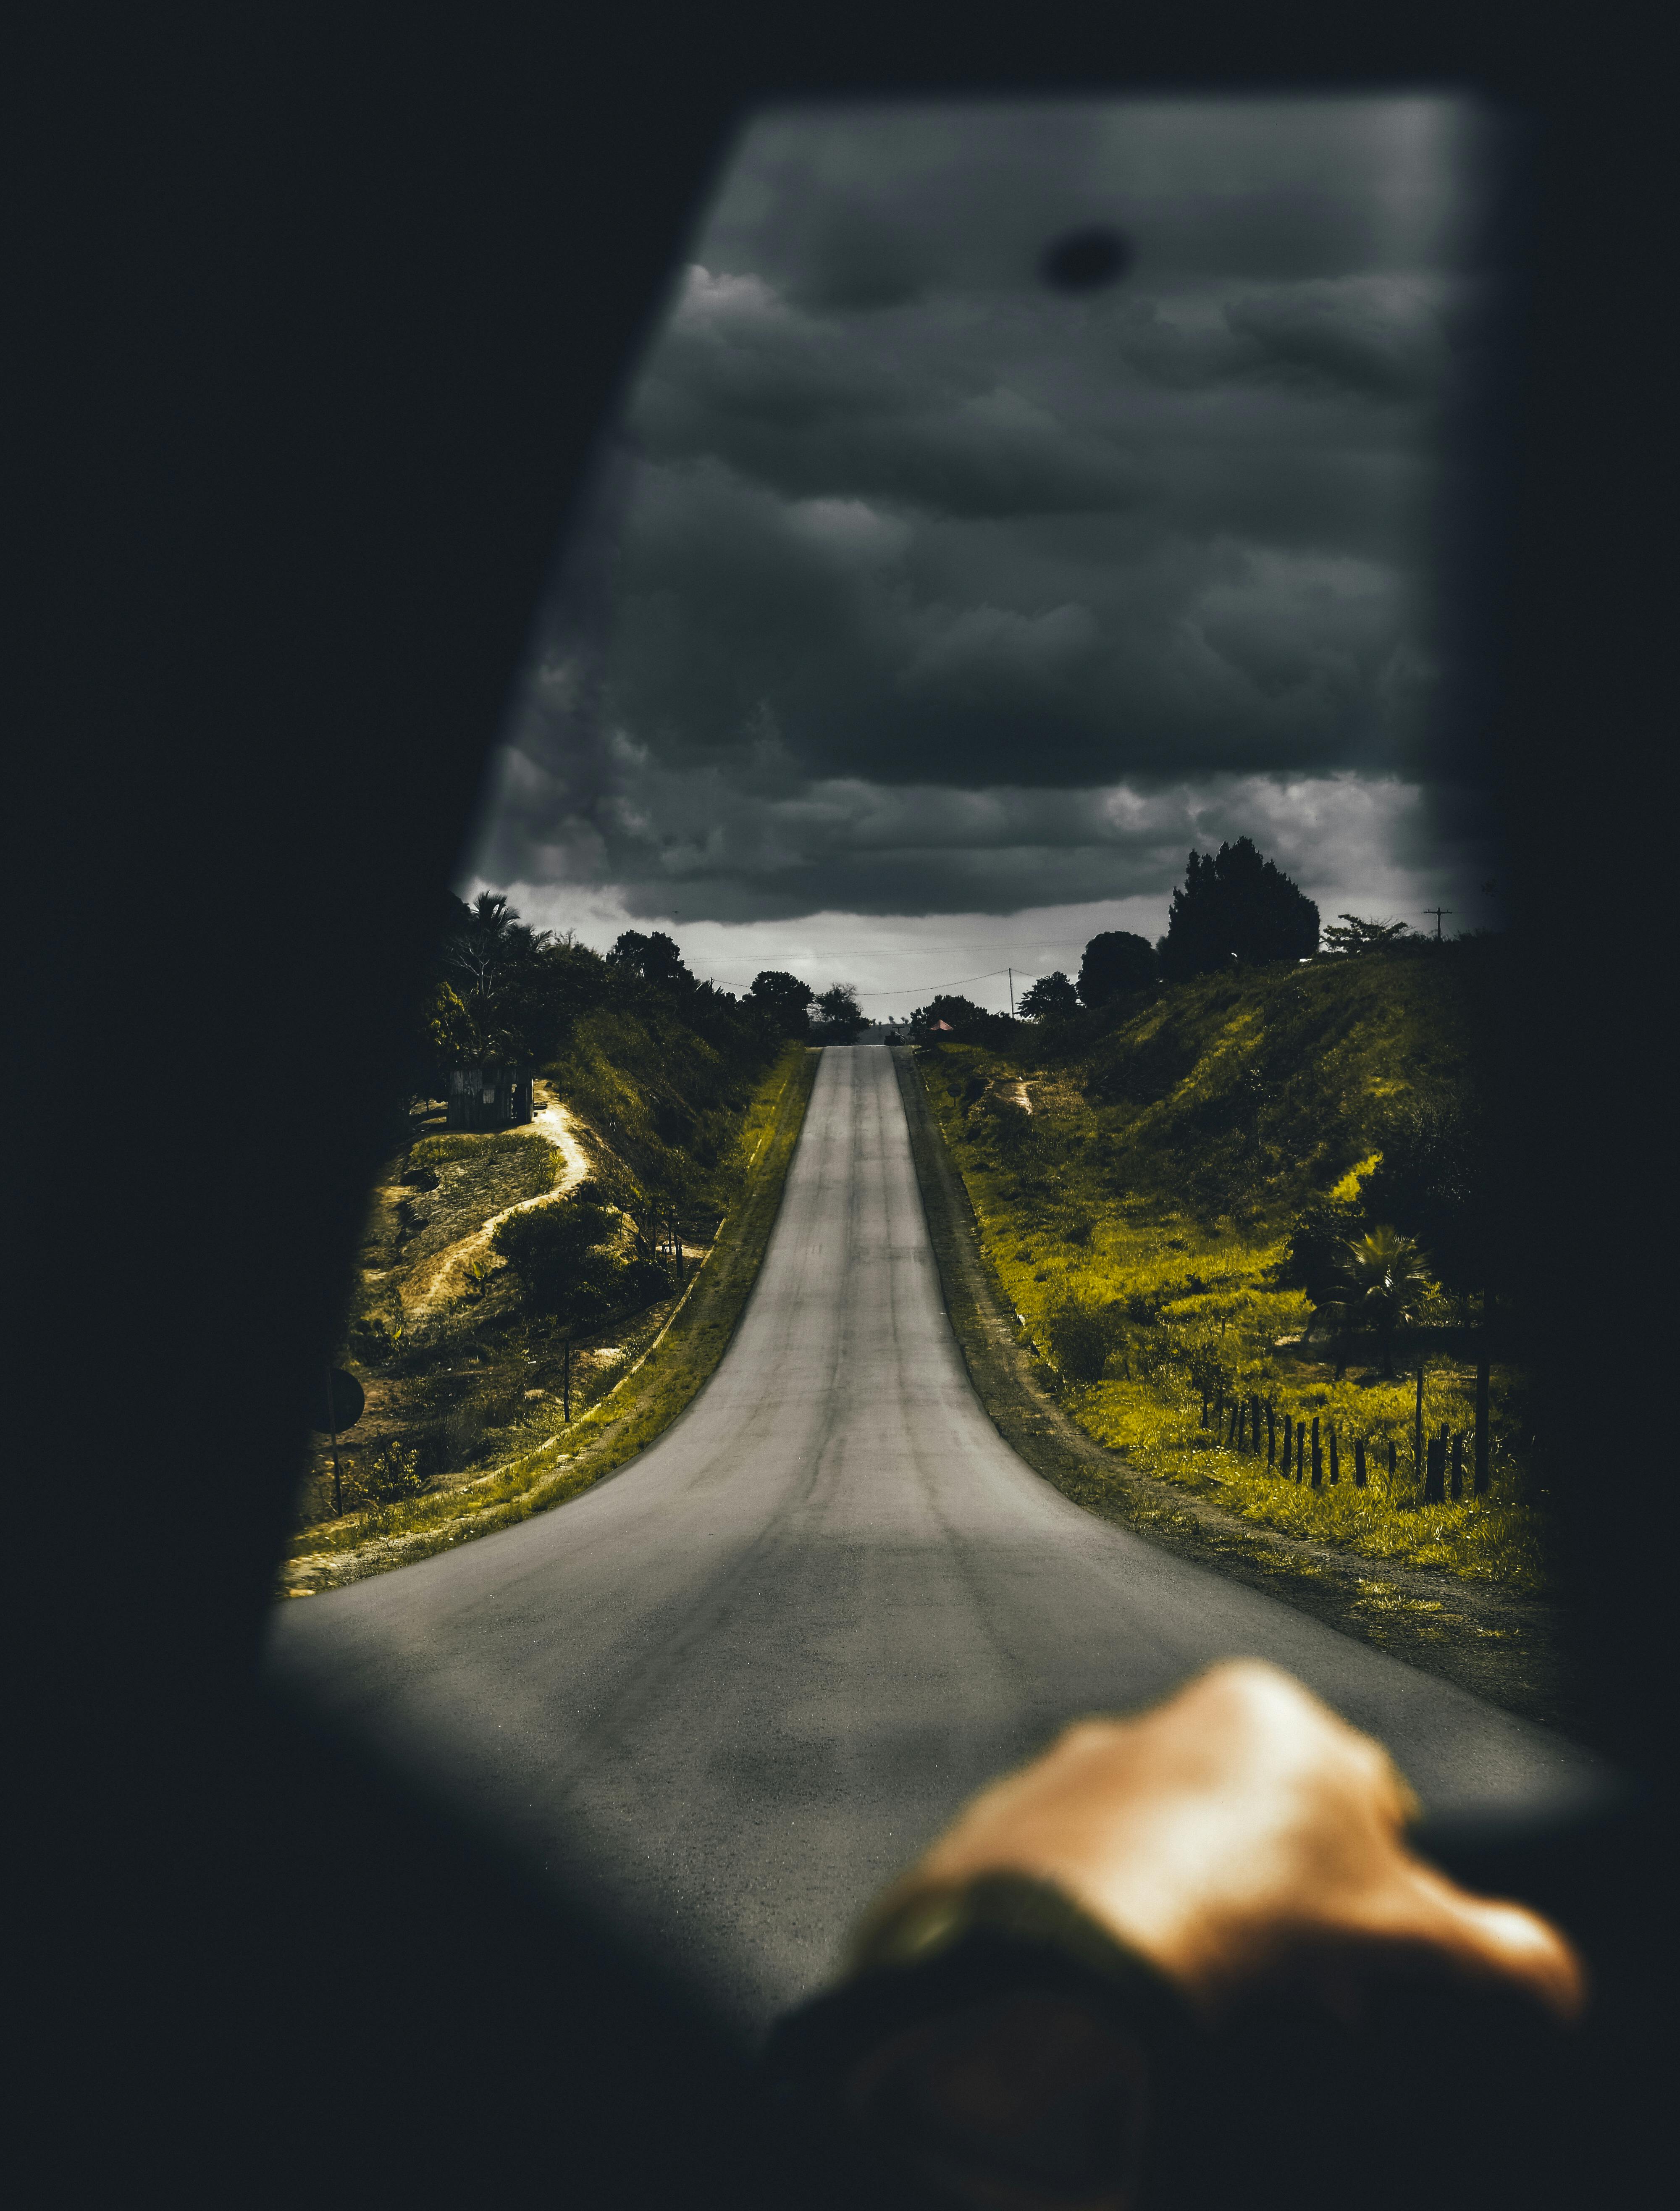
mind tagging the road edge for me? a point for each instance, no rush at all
(635, 1413)
(1509, 1650)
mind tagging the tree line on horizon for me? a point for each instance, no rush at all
(502, 993)
(1235, 908)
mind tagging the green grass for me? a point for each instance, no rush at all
(1149, 1194)
(666, 1099)
(504, 1145)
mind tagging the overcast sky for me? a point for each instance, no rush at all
(924, 617)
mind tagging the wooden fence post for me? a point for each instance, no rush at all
(1359, 1462)
(1318, 1456)
(1434, 1477)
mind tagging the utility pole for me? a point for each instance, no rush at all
(1012, 975)
(1438, 911)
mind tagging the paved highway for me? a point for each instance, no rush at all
(727, 1692)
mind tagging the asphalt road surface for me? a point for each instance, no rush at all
(728, 1692)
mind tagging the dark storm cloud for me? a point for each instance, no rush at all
(906, 577)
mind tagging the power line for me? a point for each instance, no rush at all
(900, 990)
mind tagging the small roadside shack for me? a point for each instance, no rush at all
(482, 1098)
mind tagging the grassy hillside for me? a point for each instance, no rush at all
(1138, 1175)
(528, 1456)
(661, 1098)
(664, 1097)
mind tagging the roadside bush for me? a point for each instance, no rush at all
(391, 1474)
(643, 1282)
(1081, 1337)
(562, 1254)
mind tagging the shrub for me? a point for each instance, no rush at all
(392, 1474)
(566, 1255)
(1081, 1337)
(561, 1253)
(643, 1282)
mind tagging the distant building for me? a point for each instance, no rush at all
(485, 1098)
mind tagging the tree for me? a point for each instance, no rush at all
(450, 1029)
(1441, 1173)
(1052, 997)
(1319, 1242)
(1235, 906)
(1438, 1175)
(841, 1016)
(490, 939)
(1360, 935)
(1116, 965)
(1386, 1285)
(566, 1255)
(655, 958)
(967, 1022)
(495, 1002)
(783, 999)
(563, 1253)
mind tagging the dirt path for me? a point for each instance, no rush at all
(442, 1279)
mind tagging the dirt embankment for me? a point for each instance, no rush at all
(442, 1276)
(639, 1385)
(1511, 1649)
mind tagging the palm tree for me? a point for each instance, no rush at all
(1387, 1284)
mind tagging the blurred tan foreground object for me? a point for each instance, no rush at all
(1242, 1838)
(1018, 2006)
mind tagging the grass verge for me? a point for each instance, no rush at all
(1506, 1643)
(1170, 1300)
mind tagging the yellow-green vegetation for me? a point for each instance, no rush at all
(536, 1459)
(476, 1177)
(663, 1095)
(1135, 1193)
